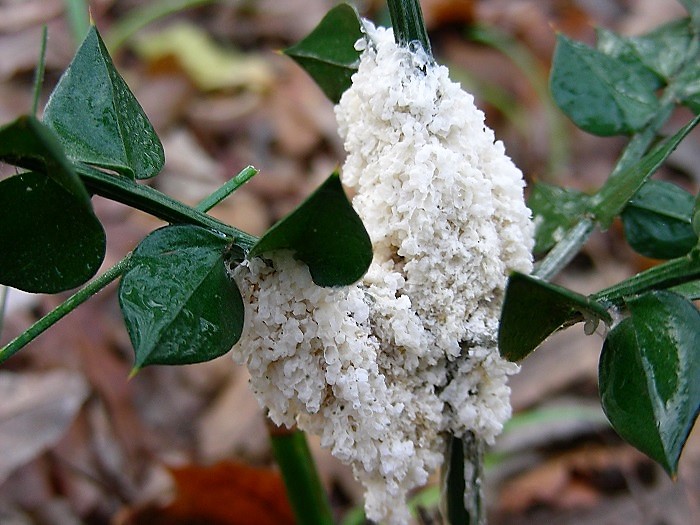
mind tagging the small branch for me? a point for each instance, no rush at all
(39, 71)
(306, 494)
(158, 204)
(462, 494)
(671, 273)
(408, 23)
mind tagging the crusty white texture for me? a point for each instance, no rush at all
(382, 370)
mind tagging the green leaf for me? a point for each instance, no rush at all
(689, 290)
(50, 240)
(614, 195)
(97, 118)
(662, 51)
(28, 143)
(328, 53)
(650, 375)
(326, 233)
(657, 220)
(555, 210)
(687, 86)
(534, 309)
(600, 94)
(178, 303)
(693, 8)
(620, 48)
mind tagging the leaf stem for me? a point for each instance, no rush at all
(671, 273)
(116, 271)
(160, 205)
(39, 71)
(304, 488)
(462, 495)
(409, 26)
(66, 307)
(572, 242)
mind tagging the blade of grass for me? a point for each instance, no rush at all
(39, 71)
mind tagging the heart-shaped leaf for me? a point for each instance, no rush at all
(50, 240)
(657, 220)
(328, 53)
(28, 143)
(534, 309)
(326, 233)
(178, 302)
(97, 118)
(650, 375)
(600, 94)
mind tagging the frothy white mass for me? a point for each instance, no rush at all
(384, 369)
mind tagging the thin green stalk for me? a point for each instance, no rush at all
(113, 273)
(462, 498)
(666, 275)
(306, 494)
(39, 71)
(572, 242)
(228, 188)
(66, 307)
(408, 23)
(158, 204)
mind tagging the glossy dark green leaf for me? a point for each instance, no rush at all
(97, 118)
(28, 143)
(50, 240)
(555, 210)
(179, 304)
(600, 94)
(657, 220)
(326, 233)
(650, 375)
(534, 309)
(328, 53)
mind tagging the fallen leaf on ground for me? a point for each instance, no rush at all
(36, 409)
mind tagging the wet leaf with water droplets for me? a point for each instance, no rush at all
(649, 375)
(97, 118)
(179, 304)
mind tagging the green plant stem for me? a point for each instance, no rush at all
(158, 204)
(227, 188)
(306, 494)
(408, 23)
(462, 499)
(39, 71)
(666, 275)
(3, 306)
(575, 238)
(113, 273)
(66, 307)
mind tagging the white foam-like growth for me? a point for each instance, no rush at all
(382, 370)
